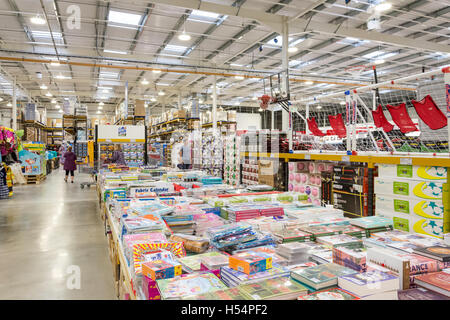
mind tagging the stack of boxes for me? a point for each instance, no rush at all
(353, 190)
(250, 171)
(305, 178)
(270, 172)
(232, 160)
(412, 197)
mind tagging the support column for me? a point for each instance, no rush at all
(214, 106)
(179, 101)
(14, 106)
(307, 117)
(285, 65)
(446, 186)
(348, 102)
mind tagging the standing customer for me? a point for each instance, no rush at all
(69, 163)
(117, 156)
(185, 155)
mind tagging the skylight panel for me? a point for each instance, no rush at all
(374, 54)
(119, 19)
(204, 16)
(109, 75)
(174, 48)
(115, 51)
(387, 55)
(296, 42)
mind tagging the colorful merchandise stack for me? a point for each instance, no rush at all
(212, 155)
(305, 178)
(353, 190)
(250, 171)
(412, 197)
(134, 154)
(232, 159)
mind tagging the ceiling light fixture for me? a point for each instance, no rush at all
(1, 99)
(100, 108)
(60, 111)
(145, 82)
(156, 71)
(319, 107)
(48, 94)
(342, 103)
(161, 93)
(200, 101)
(239, 77)
(379, 61)
(383, 6)
(38, 20)
(55, 63)
(57, 106)
(153, 99)
(255, 98)
(292, 49)
(101, 104)
(309, 82)
(43, 87)
(53, 101)
(184, 36)
(9, 104)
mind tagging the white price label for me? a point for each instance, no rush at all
(307, 156)
(346, 158)
(132, 140)
(108, 141)
(407, 161)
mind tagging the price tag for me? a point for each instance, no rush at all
(346, 158)
(132, 140)
(407, 161)
(307, 156)
(108, 141)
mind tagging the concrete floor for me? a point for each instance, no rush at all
(49, 234)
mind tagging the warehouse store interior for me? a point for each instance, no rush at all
(224, 150)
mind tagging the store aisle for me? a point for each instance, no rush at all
(49, 232)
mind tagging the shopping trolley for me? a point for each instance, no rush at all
(86, 168)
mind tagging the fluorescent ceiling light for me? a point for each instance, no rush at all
(53, 101)
(98, 112)
(38, 20)
(342, 103)
(101, 103)
(236, 103)
(123, 18)
(379, 61)
(309, 82)
(260, 109)
(161, 93)
(319, 107)
(43, 87)
(9, 104)
(239, 77)
(1, 99)
(383, 6)
(115, 51)
(153, 99)
(48, 94)
(174, 48)
(156, 71)
(184, 37)
(57, 106)
(163, 84)
(60, 111)
(373, 54)
(255, 98)
(55, 63)
(46, 35)
(235, 65)
(200, 101)
(145, 82)
(100, 107)
(387, 55)
(292, 49)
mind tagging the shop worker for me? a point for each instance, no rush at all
(118, 157)
(69, 163)
(185, 155)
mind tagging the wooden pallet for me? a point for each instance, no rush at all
(35, 179)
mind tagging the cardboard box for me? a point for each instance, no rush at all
(139, 108)
(413, 224)
(267, 179)
(430, 209)
(249, 263)
(412, 172)
(161, 269)
(431, 190)
(268, 167)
